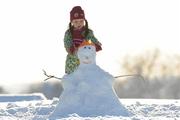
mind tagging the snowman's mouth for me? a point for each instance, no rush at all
(86, 60)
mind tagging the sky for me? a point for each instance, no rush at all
(32, 32)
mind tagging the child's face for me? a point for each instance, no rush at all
(78, 23)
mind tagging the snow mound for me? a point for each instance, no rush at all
(143, 109)
(21, 97)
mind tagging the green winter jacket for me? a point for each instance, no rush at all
(72, 60)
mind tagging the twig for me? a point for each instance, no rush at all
(132, 75)
(50, 76)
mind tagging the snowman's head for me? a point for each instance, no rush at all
(87, 53)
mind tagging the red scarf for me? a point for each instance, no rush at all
(77, 36)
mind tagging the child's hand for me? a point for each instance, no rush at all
(73, 49)
(98, 46)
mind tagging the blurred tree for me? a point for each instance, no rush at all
(35, 88)
(50, 89)
(161, 73)
(1, 90)
(141, 64)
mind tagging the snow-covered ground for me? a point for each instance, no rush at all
(27, 107)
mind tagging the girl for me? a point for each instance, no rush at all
(78, 32)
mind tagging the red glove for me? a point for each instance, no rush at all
(72, 50)
(98, 47)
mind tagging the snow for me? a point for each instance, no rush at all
(143, 109)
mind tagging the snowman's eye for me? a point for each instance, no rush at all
(89, 47)
(85, 47)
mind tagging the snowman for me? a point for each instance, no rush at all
(88, 91)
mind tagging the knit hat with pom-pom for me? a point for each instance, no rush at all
(77, 13)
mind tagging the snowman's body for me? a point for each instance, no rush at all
(88, 90)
